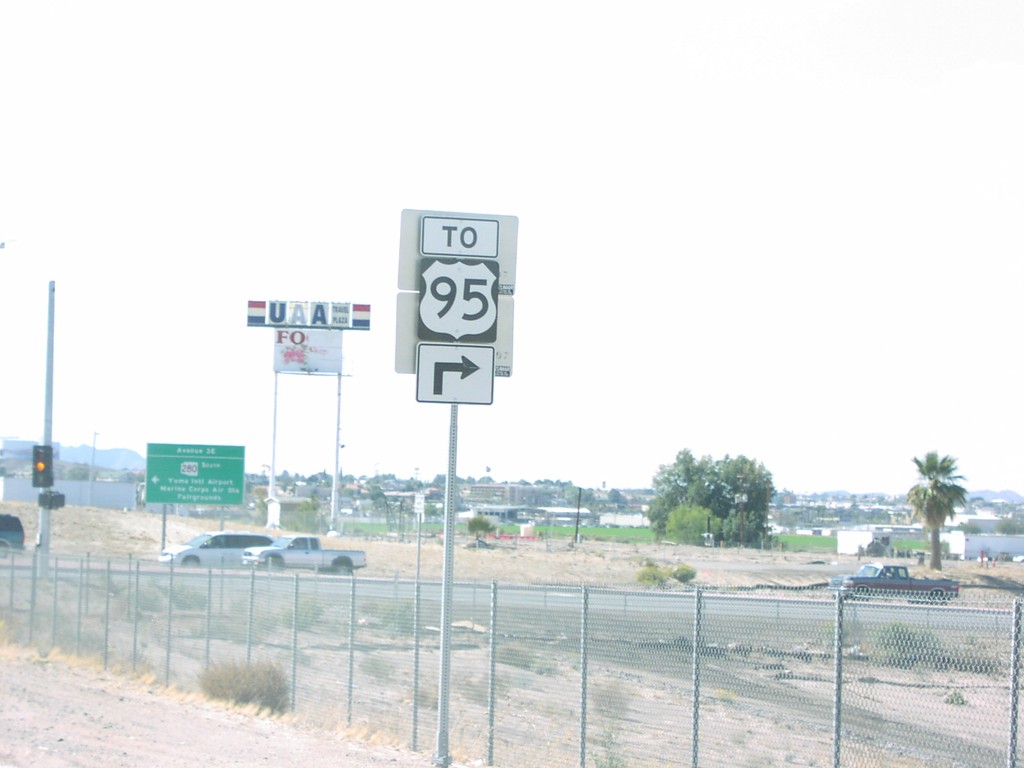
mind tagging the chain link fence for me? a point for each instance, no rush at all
(562, 675)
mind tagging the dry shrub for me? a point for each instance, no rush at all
(683, 573)
(651, 575)
(262, 683)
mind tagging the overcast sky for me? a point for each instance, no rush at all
(786, 230)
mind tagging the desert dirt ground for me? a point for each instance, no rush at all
(59, 711)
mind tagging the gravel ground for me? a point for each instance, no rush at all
(55, 713)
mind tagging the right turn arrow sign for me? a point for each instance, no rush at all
(453, 373)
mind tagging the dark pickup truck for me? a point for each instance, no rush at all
(894, 580)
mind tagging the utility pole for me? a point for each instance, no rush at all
(43, 536)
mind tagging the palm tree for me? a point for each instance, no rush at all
(935, 495)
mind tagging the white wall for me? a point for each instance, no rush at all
(847, 542)
(76, 492)
(993, 545)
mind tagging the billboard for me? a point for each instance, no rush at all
(325, 315)
(304, 351)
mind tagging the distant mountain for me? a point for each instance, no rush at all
(841, 495)
(106, 458)
(1011, 497)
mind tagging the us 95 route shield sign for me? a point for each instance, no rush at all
(458, 301)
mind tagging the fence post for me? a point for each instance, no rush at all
(837, 711)
(351, 645)
(1011, 759)
(698, 619)
(135, 618)
(78, 618)
(10, 599)
(416, 666)
(209, 617)
(88, 568)
(248, 623)
(584, 618)
(295, 639)
(106, 618)
(32, 599)
(128, 596)
(53, 617)
(170, 624)
(492, 672)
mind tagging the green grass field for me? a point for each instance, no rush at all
(786, 542)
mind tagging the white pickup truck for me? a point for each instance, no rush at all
(304, 552)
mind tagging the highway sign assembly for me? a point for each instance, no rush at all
(195, 474)
(456, 279)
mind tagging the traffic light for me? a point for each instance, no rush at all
(42, 466)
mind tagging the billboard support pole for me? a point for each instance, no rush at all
(337, 446)
(442, 756)
(273, 507)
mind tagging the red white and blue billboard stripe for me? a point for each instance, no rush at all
(326, 315)
(257, 313)
(361, 316)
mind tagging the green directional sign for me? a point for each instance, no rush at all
(195, 474)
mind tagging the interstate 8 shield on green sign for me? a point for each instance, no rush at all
(195, 474)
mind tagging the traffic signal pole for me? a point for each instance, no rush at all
(43, 536)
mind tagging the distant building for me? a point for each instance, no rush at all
(563, 515)
(619, 520)
(500, 514)
(984, 520)
(507, 494)
(971, 546)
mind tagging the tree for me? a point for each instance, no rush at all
(480, 526)
(737, 491)
(688, 524)
(1009, 527)
(259, 497)
(307, 517)
(934, 497)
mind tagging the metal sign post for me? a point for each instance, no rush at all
(441, 754)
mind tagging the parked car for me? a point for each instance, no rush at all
(12, 534)
(304, 552)
(222, 549)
